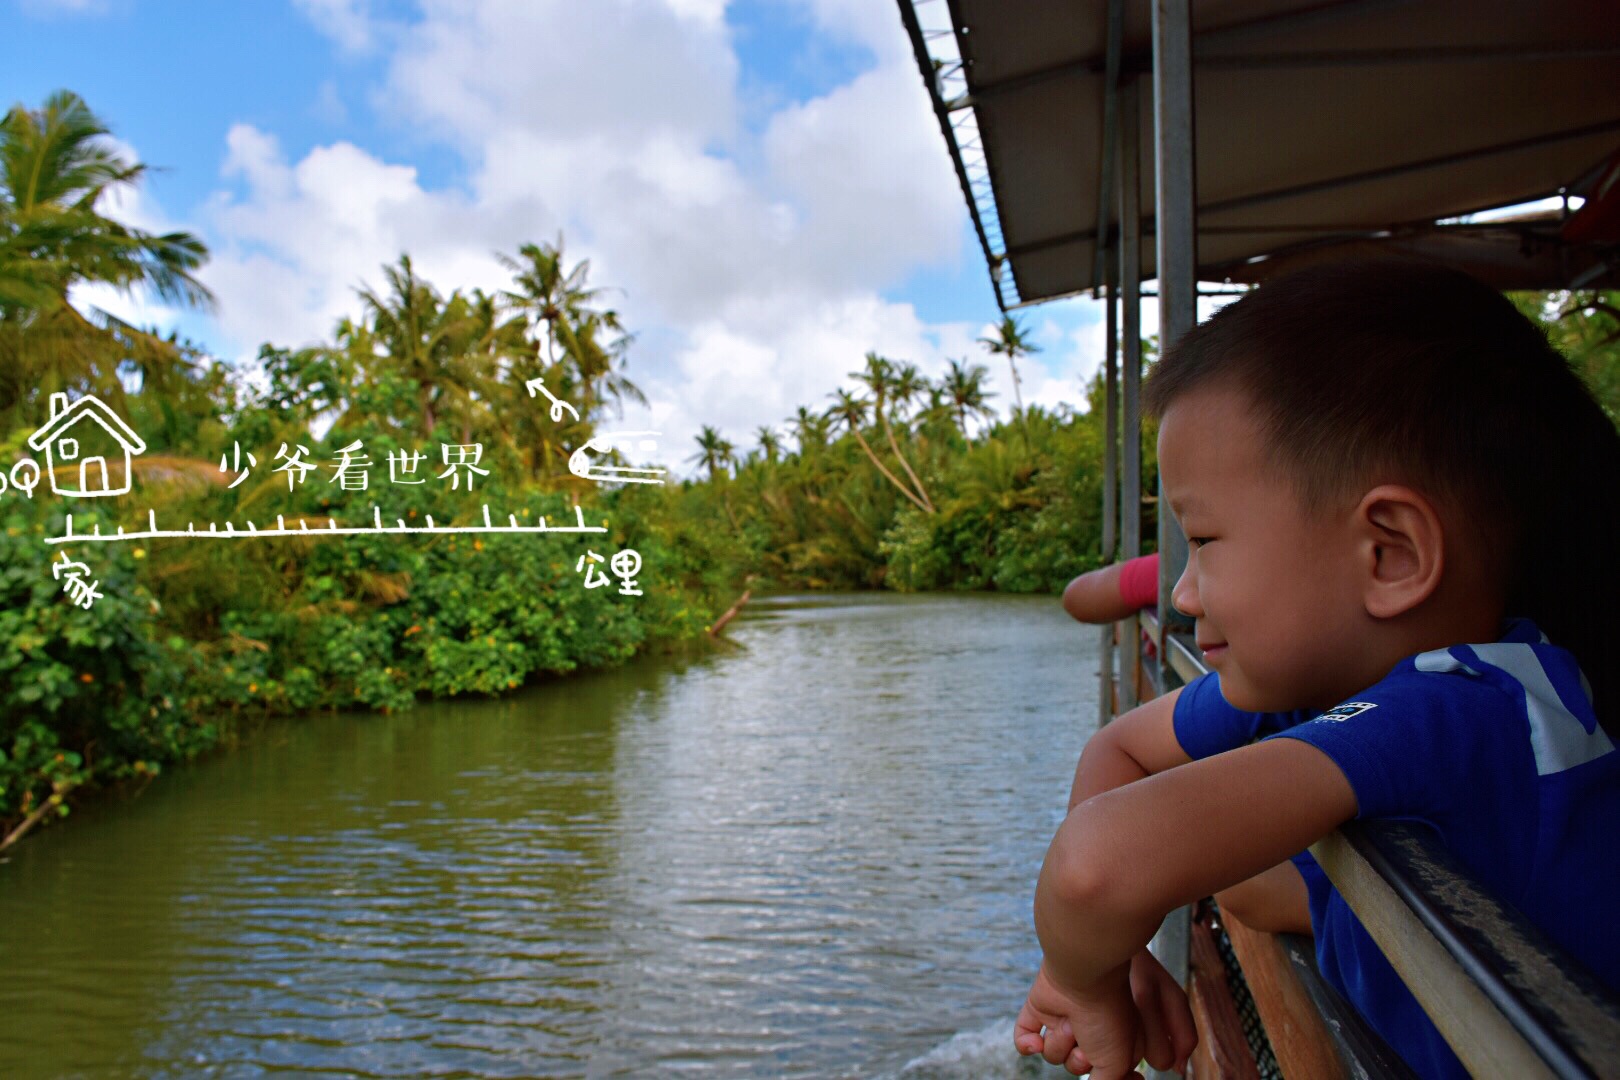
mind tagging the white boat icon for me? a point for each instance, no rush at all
(581, 465)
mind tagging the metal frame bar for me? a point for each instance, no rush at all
(1130, 280)
(925, 66)
(1176, 235)
(1489, 1040)
(1176, 240)
(1262, 25)
(1138, 61)
(1350, 229)
(1114, 31)
(1381, 57)
(1512, 963)
(1386, 172)
(1110, 492)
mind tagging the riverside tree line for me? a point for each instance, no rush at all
(896, 481)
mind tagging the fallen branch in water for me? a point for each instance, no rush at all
(51, 803)
(731, 613)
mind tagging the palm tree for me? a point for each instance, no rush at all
(938, 412)
(1011, 342)
(559, 302)
(852, 411)
(551, 296)
(597, 362)
(883, 379)
(425, 338)
(714, 452)
(964, 385)
(809, 428)
(54, 166)
(908, 386)
(770, 443)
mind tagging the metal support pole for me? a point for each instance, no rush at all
(1176, 236)
(1176, 230)
(1130, 280)
(1110, 486)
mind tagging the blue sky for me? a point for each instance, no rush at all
(762, 179)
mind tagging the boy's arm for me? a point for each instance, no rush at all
(1275, 902)
(1136, 745)
(1125, 857)
(1141, 743)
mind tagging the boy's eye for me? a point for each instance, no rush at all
(1199, 541)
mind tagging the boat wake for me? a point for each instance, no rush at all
(982, 1054)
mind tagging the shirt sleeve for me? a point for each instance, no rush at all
(1205, 724)
(1421, 745)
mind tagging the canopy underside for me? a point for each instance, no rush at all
(1320, 128)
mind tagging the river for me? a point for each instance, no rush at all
(810, 855)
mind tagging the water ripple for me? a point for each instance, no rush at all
(813, 856)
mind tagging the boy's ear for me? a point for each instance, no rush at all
(1402, 547)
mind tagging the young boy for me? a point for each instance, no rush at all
(1374, 464)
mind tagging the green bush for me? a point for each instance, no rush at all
(84, 694)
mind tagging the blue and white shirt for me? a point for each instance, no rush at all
(1494, 747)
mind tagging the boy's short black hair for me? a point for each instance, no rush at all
(1402, 371)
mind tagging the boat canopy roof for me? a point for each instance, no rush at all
(1320, 127)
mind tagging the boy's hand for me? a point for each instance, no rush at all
(1167, 1020)
(1112, 1026)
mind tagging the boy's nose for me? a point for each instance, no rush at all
(1184, 596)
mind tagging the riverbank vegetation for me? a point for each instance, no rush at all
(897, 481)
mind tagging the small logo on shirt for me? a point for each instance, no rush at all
(1347, 710)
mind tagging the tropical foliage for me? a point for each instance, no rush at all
(895, 480)
(185, 636)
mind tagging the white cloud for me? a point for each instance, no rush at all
(347, 22)
(294, 247)
(876, 26)
(867, 166)
(617, 70)
(752, 266)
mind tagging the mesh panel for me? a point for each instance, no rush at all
(1253, 1029)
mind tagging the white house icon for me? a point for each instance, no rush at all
(87, 450)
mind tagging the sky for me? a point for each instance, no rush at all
(760, 184)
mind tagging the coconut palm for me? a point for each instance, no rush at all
(714, 452)
(908, 386)
(964, 386)
(559, 303)
(55, 165)
(1011, 343)
(937, 413)
(424, 337)
(599, 351)
(883, 379)
(851, 410)
(770, 443)
(810, 429)
(551, 296)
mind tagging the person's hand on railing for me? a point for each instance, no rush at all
(1168, 1031)
(1109, 1028)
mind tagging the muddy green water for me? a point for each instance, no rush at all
(809, 856)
